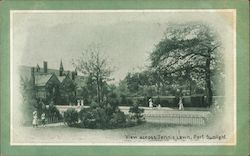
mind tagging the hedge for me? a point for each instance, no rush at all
(170, 101)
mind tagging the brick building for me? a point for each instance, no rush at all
(59, 86)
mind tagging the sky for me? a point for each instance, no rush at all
(127, 38)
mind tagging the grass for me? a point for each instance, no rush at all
(63, 134)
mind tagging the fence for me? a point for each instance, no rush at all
(173, 116)
(176, 119)
(53, 120)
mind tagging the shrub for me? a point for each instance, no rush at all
(93, 117)
(130, 121)
(142, 101)
(125, 101)
(71, 116)
(130, 102)
(198, 101)
(170, 101)
(107, 114)
(94, 104)
(166, 101)
(112, 100)
(86, 117)
(137, 113)
(118, 119)
(53, 114)
(103, 115)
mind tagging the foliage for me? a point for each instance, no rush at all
(140, 80)
(88, 91)
(113, 100)
(96, 66)
(52, 113)
(88, 118)
(118, 119)
(71, 116)
(52, 93)
(29, 101)
(67, 91)
(189, 54)
(133, 82)
(137, 113)
(103, 115)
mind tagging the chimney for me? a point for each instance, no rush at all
(45, 66)
(33, 76)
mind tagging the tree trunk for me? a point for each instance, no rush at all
(209, 92)
(98, 91)
(101, 90)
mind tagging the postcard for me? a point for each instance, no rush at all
(134, 78)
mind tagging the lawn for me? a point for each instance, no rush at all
(147, 134)
(63, 134)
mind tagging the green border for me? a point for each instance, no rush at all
(241, 149)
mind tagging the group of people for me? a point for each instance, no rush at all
(180, 103)
(35, 119)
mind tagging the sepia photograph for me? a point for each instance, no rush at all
(123, 77)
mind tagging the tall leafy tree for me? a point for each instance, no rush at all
(133, 82)
(188, 51)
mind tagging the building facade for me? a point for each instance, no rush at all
(51, 85)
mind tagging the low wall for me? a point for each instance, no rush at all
(63, 108)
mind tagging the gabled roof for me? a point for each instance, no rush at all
(42, 79)
(61, 78)
(25, 71)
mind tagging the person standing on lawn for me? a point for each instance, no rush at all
(181, 106)
(35, 119)
(43, 119)
(150, 103)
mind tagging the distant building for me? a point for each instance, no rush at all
(61, 87)
(46, 85)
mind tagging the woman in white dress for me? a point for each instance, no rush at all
(35, 119)
(181, 107)
(150, 103)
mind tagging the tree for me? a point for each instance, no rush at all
(67, 91)
(29, 101)
(71, 116)
(136, 81)
(133, 82)
(190, 52)
(137, 113)
(93, 64)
